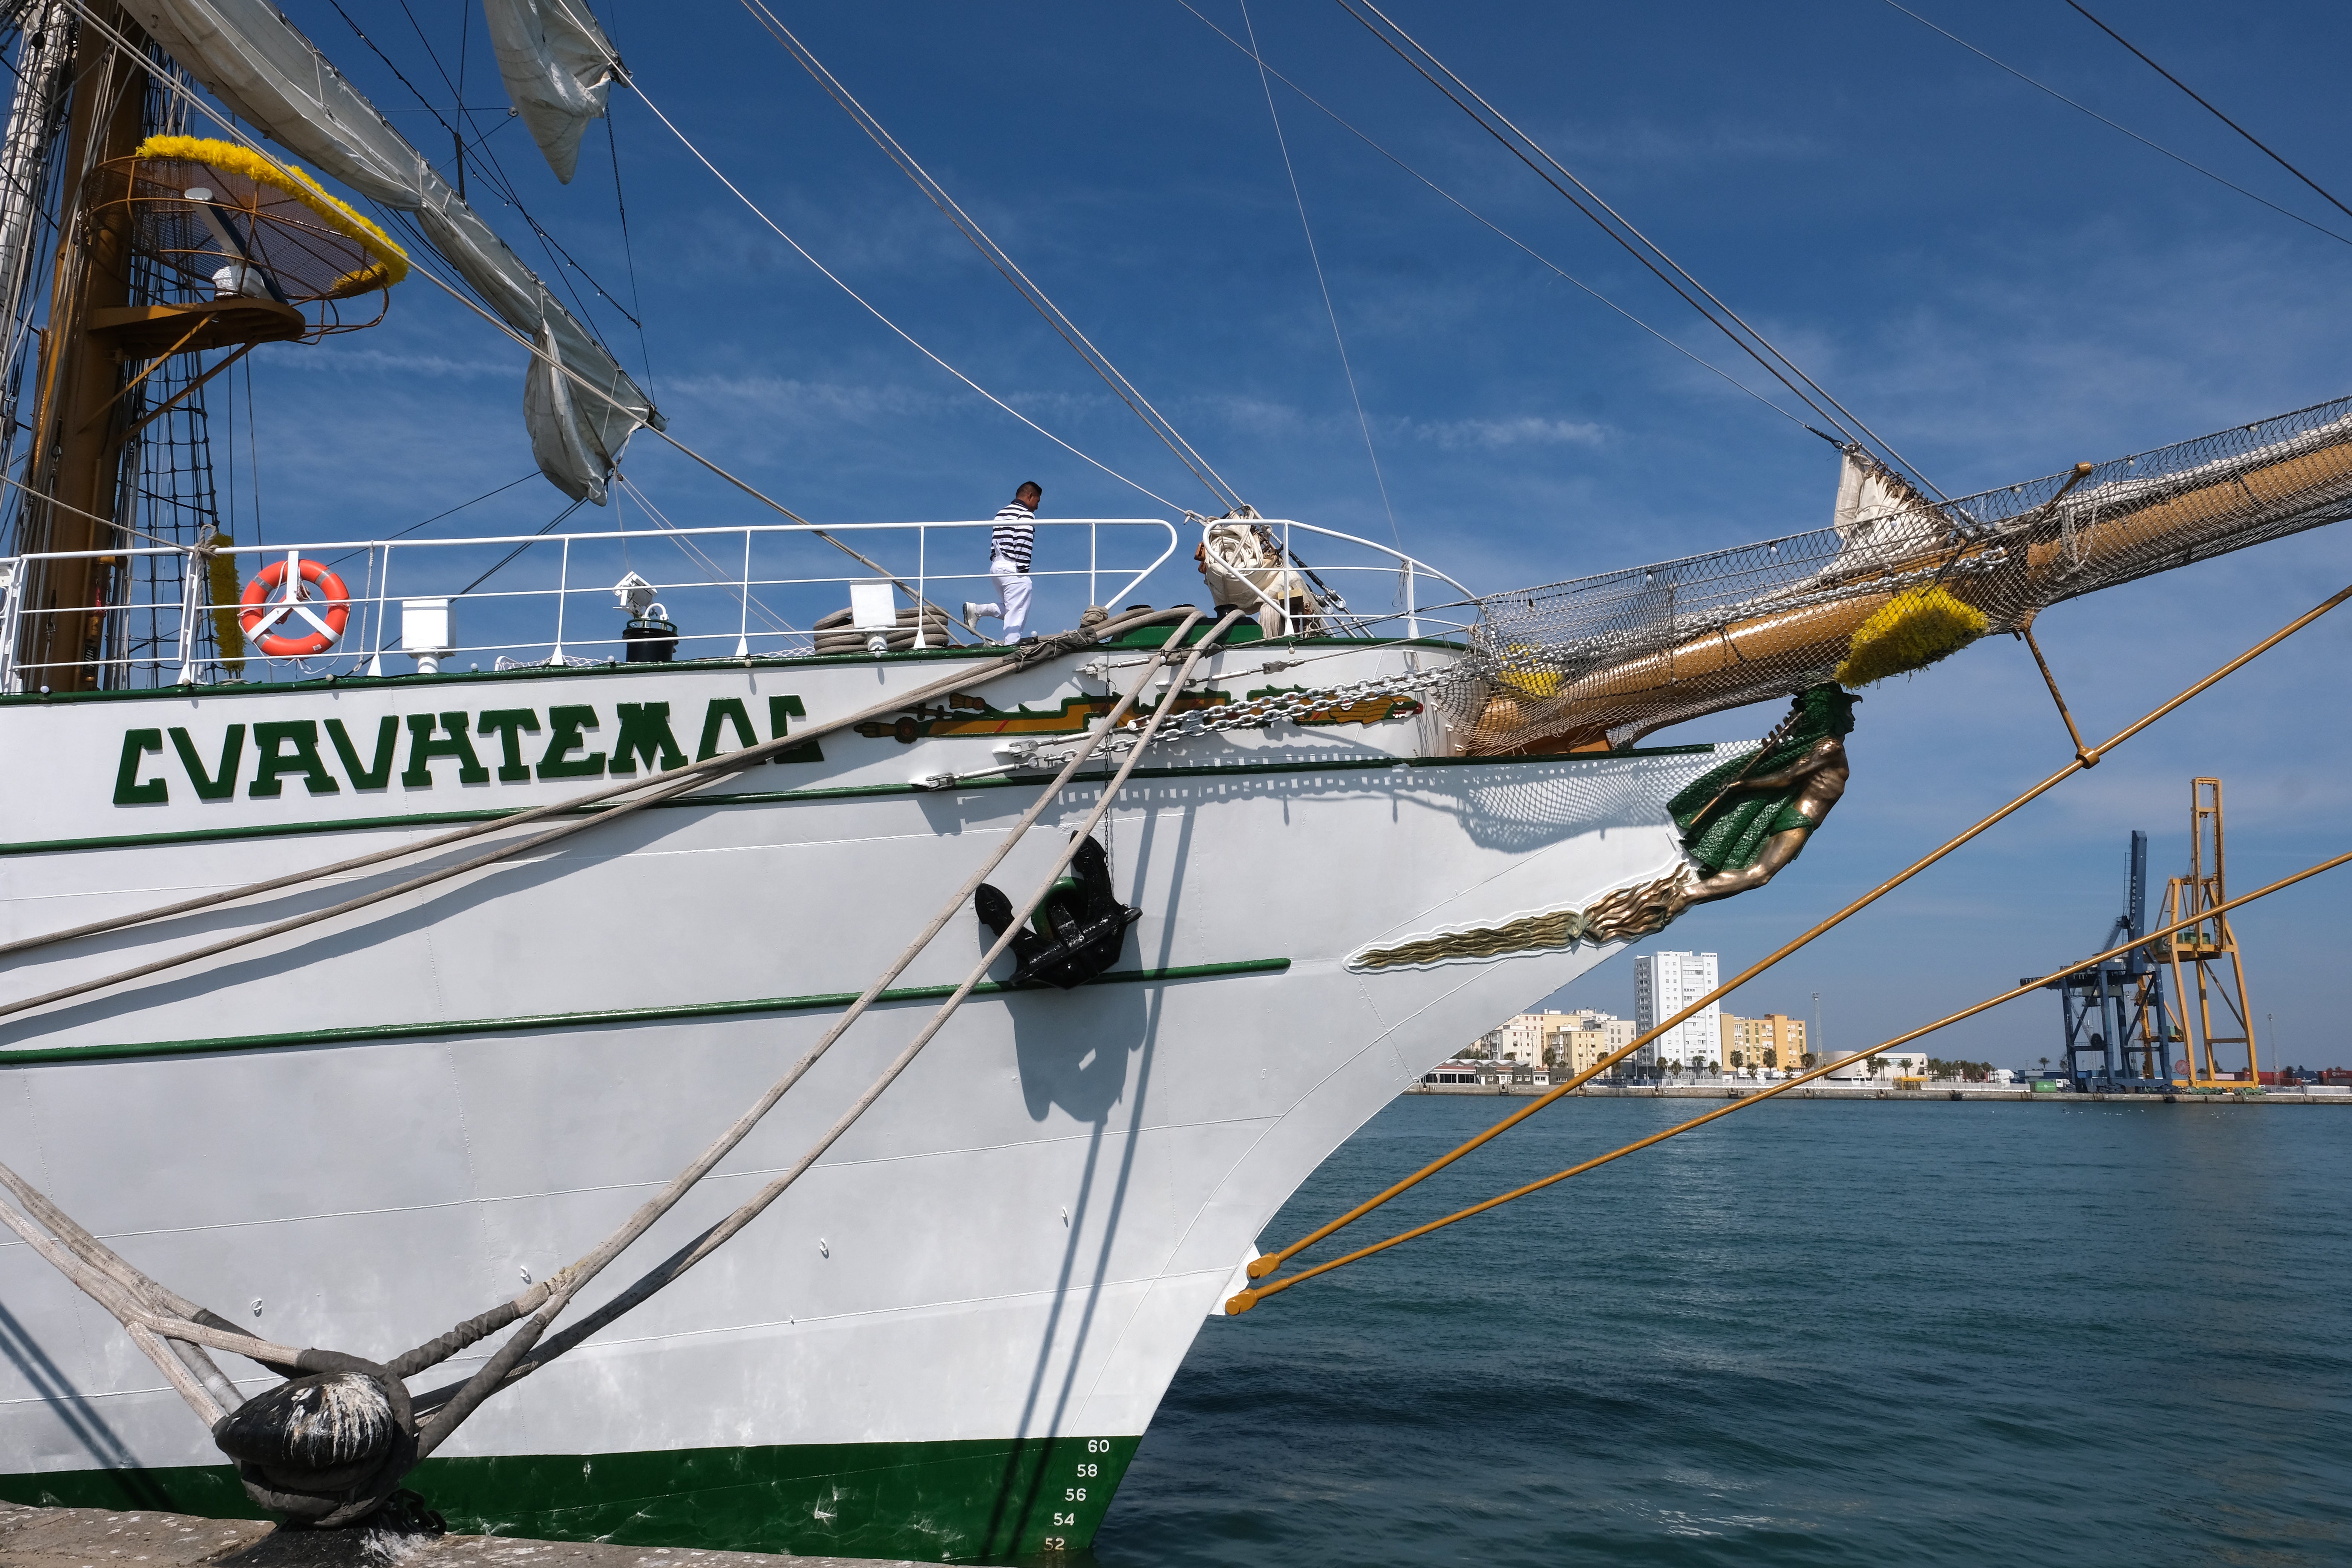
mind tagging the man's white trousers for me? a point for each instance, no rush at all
(1012, 597)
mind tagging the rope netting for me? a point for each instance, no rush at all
(1895, 582)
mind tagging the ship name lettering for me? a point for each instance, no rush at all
(641, 735)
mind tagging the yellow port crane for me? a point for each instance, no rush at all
(2209, 951)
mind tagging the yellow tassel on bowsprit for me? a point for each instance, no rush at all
(1910, 631)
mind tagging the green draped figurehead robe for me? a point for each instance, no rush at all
(1725, 829)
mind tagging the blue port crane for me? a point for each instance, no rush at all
(2118, 1030)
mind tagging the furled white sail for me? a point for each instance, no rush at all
(1876, 509)
(258, 63)
(558, 66)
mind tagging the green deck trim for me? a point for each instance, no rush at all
(445, 678)
(822, 791)
(527, 1022)
(442, 679)
(941, 1501)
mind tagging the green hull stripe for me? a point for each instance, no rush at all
(789, 796)
(521, 1023)
(933, 1501)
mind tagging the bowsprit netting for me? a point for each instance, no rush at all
(1894, 583)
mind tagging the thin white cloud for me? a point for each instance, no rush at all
(346, 361)
(1496, 435)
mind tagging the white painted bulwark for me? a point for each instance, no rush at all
(378, 1125)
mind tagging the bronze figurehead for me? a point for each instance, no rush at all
(1744, 821)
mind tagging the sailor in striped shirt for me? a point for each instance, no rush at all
(1010, 544)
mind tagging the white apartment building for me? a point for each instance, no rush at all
(1664, 985)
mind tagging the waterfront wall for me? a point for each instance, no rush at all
(1945, 1091)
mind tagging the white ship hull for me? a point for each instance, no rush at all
(945, 1341)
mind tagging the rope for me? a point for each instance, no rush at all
(2216, 114)
(559, 1289)
(672, 783)
(1316, 256)
(995, 254)
(1250, 1298)
(1268, 1263)
(169, 1330)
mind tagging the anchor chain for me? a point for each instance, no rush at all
(1258, 712)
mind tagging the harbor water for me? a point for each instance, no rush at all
(1816, 1333)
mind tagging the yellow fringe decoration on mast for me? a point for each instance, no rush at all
(1910, 631)
(390, 263)
(228, 631)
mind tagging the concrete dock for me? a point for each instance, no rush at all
(1941, 1091)
(95, 1538)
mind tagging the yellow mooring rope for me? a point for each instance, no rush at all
(1248, 1299)
(1262, 1267)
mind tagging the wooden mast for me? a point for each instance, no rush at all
(78, 424)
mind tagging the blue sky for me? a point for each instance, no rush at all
(2000, 285)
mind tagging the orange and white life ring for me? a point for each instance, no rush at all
(260, 614)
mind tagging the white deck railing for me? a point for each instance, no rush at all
(522, 600)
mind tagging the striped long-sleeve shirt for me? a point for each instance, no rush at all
(1014, 538)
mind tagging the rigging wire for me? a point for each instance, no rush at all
(465, 298)
(560, 259)
(1648, 244)
(1643, 252)
(503, 184)
(636, 311)
(1320, 282)
(2112, 125)
(629, 253)
(996, 257)
(553, 523)
(689, 546)
(1481, 218)
(252, 447)
(2217, 114)
(777, 230)
(437, 516)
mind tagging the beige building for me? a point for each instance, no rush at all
(1524, 1037)
(1774, 1040)
(1572, 1041)
(1585, 1039)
